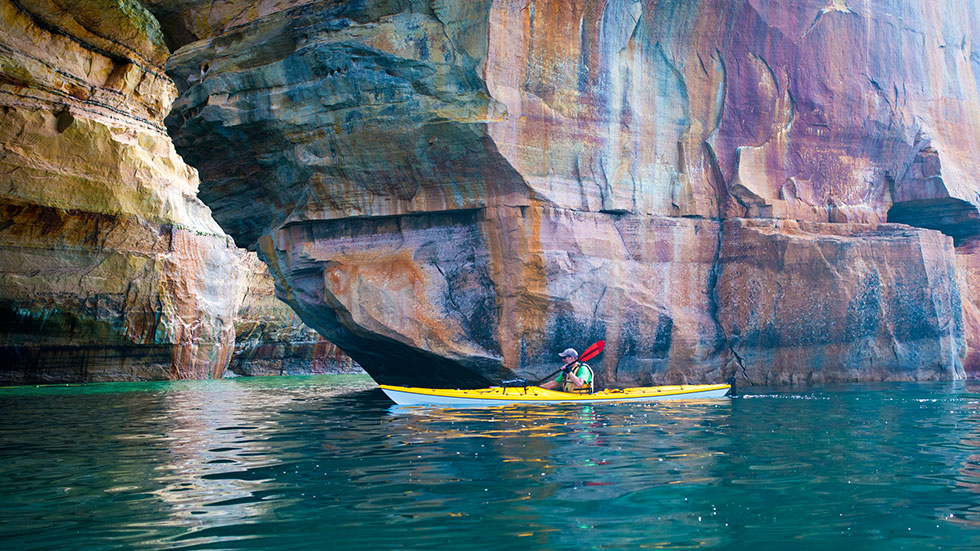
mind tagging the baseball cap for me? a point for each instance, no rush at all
(569, 352)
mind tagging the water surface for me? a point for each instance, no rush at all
(327, 463)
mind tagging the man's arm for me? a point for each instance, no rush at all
(576, 380)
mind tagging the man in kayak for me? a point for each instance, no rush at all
(575, 375)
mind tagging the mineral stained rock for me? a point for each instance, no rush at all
(807, 302)
(270, 339)
(456, 190)
(110, 267)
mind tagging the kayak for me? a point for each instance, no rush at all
(508, 395)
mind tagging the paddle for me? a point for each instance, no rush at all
(587, 354)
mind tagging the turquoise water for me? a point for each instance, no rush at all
(327, 463)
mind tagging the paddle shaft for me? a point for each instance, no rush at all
(560, 369)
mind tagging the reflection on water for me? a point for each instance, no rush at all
(328, 463)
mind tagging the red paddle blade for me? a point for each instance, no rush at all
(592, 351)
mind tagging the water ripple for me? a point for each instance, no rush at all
(325, 462)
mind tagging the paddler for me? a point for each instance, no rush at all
(575, 376)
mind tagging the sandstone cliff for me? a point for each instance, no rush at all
(454, 190)
(270, 339)
(110, 267)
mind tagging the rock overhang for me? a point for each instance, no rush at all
(610, 111)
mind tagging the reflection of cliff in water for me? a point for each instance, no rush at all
(227, 445)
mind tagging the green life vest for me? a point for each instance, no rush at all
(584, 372)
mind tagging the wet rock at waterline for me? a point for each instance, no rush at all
(783, 302)
(805, 302)
(111, 268)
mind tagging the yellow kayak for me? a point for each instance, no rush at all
(506, 395)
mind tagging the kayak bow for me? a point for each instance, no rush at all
(500, 396)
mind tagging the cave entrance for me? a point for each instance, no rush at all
(956, 218)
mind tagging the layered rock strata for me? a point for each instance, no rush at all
(110, 267)
(271, 339)
(453, 191)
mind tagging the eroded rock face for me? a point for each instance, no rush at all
(806, 302)
(456, 284)
(452, 191)
(110, 267)
(271, 339)
(968, 272)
